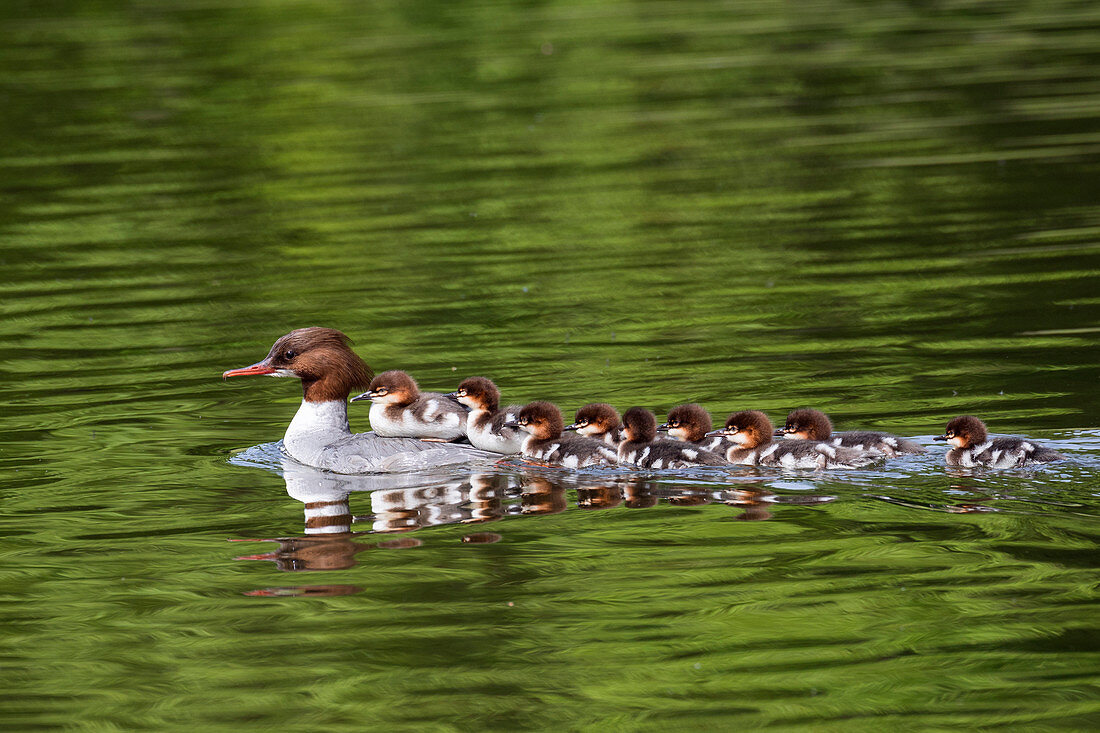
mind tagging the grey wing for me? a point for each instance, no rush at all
(854, 457)
(865, 440)
(370, 453)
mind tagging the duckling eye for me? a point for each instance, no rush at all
(461, 393)
(582, 423)
(381, 390)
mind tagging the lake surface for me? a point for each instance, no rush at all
(889, 212)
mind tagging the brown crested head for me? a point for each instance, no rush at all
(478, 392)
(541, 419)
(688, 422)
(965, 431)
(640, 425)
(808, 424)
(596, 418)
(394, 387)
(750, 428)
(321, 357)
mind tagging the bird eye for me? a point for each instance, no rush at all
(290, 354)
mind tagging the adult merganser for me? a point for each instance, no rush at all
(691, 424)
(485, 423)
(753, 432)
(400, 410)
(974, 447)
(545, 442)
(639, 446)
(319, 434)
(806, 424)
(598, 420)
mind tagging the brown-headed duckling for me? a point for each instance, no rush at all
(972, 446)
(807, 424)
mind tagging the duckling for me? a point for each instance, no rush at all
(485, 423)
(806, 424)
(639, 447)
(400, 410)
(974, 447)
(691, 423)
(753, 432)
(598, 420)
(545, 442)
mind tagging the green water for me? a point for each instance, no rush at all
(885, 210)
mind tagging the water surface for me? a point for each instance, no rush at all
(888, 212)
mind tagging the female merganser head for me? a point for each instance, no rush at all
(806, 424)
(321, 357)
(543, 423)
(319, 434)
(485, 426)
(974, 447)
(400, 410)
(752, 432)
(639, 446)
(598, 420)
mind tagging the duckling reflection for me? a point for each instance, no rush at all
(638, 494)
(487, 494)
(330, 552)
(405, 510)
(481, 538)
(752, 499)
(540, 495)
(599, 497)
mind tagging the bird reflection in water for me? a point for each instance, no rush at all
(599, 497)
(540, 495)
(402, 503)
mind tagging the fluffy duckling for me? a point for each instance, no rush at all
(400, 410)
(543, 423)
(752, 431)
(485, 423)
(974, 447)
(806, 424)
(598, 420)
(691, 424)
(640, 447)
